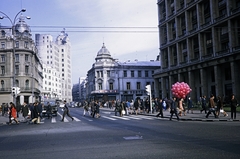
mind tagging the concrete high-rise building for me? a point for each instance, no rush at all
(200, 45)
(57, 56)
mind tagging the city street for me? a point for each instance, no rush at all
(134, 136)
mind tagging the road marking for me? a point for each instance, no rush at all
(76, 119)
(108, 118)
(53, 120)
(120, 117)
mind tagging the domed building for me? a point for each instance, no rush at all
(110, 79)
(20, 64)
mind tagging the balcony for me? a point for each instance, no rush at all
(236, 10)
(223, 52)
(207, 56)
(220, 17)
(193, 30)
(191, 2)
(206, 24)
(236, 48)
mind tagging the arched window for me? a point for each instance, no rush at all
(27, 84)
(17, 83)
(2, 84)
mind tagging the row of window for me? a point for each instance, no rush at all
(3, 58)
(128, 84)
(3, 44)
(27, 84)
(16, 70)
(125, 73)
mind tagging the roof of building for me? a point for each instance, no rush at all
(103, 51)
(140, 63)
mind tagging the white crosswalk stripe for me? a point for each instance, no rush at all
(108, 118)
(138, 117)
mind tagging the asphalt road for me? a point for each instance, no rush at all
(133, 137)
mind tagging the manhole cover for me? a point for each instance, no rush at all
(133, 137)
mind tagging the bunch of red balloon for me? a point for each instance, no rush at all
(180, 89)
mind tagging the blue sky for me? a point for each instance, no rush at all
(127, 27)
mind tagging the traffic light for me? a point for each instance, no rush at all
(148, 89)
(17, 90)
(13, 91)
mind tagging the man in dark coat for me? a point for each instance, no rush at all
(35, 114)
(25, 111)
(159, 105)
(173, 108)
(66, 111)
(49, 110)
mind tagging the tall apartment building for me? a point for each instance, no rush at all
(56, 55)
(200, 45)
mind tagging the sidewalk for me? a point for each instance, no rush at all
(196, 116)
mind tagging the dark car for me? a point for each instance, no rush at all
(54, 107)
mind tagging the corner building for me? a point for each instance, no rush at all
(110, 79)
(200, 45)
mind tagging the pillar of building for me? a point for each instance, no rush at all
(163, 86)
(218, 80)
(204, 86)
(157, 87)
(170, 83)
(192, 85)
(235, 78)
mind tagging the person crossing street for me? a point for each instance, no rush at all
(66, 111)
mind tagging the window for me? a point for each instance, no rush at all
(128, 85)
(26, 57)
(16, 57)
(111, 86)
(27, 69)
(146, 73)
(2, 70)
(2, 58)
(2, 84)
(99, 86)
(138, 85)
(101, 73)
(27, 84)
(62, 50)
(132, 73)
(17, 44)
(17, 69)
(98, 75)
(26, 44)
(125, 73)
(3, 45)
(17, 83)
(108, 73)
(139, 73)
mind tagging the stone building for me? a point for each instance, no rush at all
(110, 79)
(199, 45)
(20, 64)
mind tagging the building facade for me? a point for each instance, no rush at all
(110, 79)
(56, 56)
(199, 45)
(20, 64)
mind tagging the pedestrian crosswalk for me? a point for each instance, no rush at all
(103, 117)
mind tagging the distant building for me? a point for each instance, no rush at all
(79, 90)
(25, 69)
(110, 79)
(56, 55)
(199, 45)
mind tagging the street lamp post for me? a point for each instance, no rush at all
(13, 23)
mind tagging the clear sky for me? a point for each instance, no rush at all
(127, 27)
